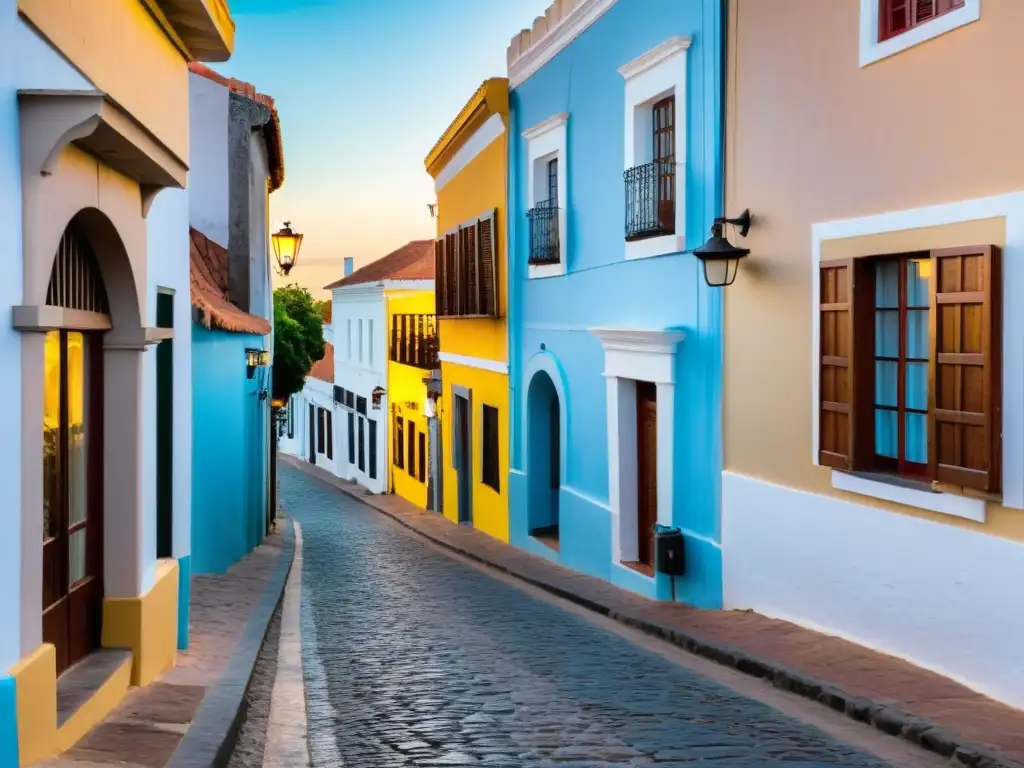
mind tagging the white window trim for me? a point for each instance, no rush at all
(547, 141)
(656, 74)
(1011, 208)
(944, 503)
(871, 50)
(630, 356)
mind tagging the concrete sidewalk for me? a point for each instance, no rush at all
(190, 715)
(892, 695)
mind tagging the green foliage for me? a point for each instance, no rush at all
(298, 338)
(325, 309)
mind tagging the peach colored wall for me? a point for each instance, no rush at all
(125, 53)
(813, 137)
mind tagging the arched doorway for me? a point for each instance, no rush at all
(544, 458)
(73, 454)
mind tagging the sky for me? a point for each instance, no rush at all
(364, 89)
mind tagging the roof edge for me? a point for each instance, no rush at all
(491, 98)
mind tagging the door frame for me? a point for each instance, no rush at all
(165, 426)
(462, 455)
(645, 522)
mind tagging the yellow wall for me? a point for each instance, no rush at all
(406, 394)
(490, 508)
(120, 47)
(148, 625)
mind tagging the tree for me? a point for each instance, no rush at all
(325, 308)
(298, 338)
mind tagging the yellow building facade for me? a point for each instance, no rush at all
(412, 352)
(470, 169)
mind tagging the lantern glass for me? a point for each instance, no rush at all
(286, 247)
(720, 272)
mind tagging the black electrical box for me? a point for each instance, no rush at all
(669, 551)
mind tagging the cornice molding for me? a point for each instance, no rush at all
(545, 126)
(554, 40)
(638, 341)
(655, 56)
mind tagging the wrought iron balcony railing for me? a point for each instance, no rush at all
(414, 341)
(544, 241)
(650, 200)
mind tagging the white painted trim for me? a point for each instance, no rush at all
(586, 497)
(630, 356)
(656, 74)
(1010, 207)
(568, 29)
(654, 57)
(482, 138)
(945, 503)
(495, 366)
(407, 285)
(548, 141)
(871, 50)
(357, 291)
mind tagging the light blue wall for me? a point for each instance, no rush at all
(229, 464)
(601, 289)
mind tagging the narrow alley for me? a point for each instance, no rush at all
(412, 658)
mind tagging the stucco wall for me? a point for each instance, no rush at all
(229, 450)
(208, 180)
(553, 316)
(259, 227)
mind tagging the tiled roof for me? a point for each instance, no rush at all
(208, 271)
(271, 131)
(413, 261)
(323, 369)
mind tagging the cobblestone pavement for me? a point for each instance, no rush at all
(415, 659)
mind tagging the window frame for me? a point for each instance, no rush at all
(547, 141)
(873, 48)
(650, 78)
(490, 452)
(410, 452)
(399, 447)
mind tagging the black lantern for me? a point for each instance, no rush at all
(721, 258)
(375, 397)
(254, 358)
(286, 247)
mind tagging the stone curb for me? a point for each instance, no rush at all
(210, 739)
(882, 716)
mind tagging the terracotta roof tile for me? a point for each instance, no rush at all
(271, 130)
(323, 369)
(208, 272)
(413, 261)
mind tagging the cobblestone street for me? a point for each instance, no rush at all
(412, 658)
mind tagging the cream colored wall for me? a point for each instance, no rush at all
(125, 53)
(813, 137)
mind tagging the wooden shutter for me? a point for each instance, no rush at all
(451, 273)
(836, 370)
(965, 412)
(488, 266)
(470, 255)
(440, 279)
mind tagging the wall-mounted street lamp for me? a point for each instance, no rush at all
(286, 247)
(432, 210)
(721, 258)
(375, 397)
(254, 358)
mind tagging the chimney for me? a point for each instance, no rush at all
(349, 267)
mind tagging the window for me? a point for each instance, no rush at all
(351, 438)
(373, 449)
(888, 27)
(360, 340)
(466, 275)
(361, 405)
(320, 429)
(369, 342)
(348, 338)
(291, 417)
(329, 418)
(422, 455)
(655, 150)
(362, 445)
(350, 398)
(411, 455)
(339, 395)
(910, 381)
(490, 473)
(898, 16)
(399, 442)
(414, 340)
(546, 196)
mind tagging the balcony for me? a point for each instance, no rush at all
(414, 341)
(650, 200)
(544, 241)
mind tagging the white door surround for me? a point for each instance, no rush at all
(633, 355)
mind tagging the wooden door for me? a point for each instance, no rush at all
(72, 495)
(647, 469)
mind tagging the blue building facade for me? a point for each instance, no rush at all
(615, 339)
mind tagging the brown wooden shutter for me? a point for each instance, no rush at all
(965, 413)
(488, 266)
(836, 371)
(440, 279)
(451, 283)
(471, 294)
